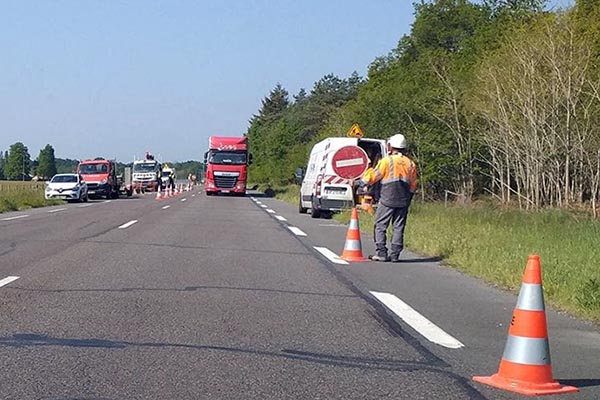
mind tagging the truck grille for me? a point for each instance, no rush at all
(225, 182)
(92, 186)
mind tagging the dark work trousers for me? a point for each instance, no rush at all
(383, 217)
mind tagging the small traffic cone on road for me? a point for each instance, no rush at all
(158, 196)
(353, 246)
(525, 366)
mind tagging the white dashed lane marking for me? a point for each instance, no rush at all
(57, 210)
(183, 199)
(263, 205)
(280, 218)
(296, 231)
(85, 205)
(270, 211)
(8, 280)
(330, 255)
(418, 322)
(165, 207)
(15, 217)
(128, 224)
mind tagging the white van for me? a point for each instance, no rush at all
(323, 190)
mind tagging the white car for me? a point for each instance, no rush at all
(70, 187)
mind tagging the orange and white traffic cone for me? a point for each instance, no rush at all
(158, 196)
(525, 366)
(353, 246)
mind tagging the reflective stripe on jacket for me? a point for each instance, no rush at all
(398, 176)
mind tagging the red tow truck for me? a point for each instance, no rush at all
(227, 161)
(101, 177)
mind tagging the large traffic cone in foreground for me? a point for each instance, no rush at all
(353, 246)
(525, 366)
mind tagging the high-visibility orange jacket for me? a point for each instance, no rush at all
(398, 176)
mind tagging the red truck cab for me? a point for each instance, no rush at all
(101, 177)
(227, 162)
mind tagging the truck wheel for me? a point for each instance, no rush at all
(301, 210)
(314, 211)
(115, 194)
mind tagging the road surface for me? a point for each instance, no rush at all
(198, 297)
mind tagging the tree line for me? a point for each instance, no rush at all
(16, 164)
(498, 98)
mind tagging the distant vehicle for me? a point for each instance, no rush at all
(70, 187)
(168, 177)
(227, 162)
(101, 177)
(333, 162)
(125, 183)
(146, 174)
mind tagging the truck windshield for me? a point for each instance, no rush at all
(87, 169)
(166, 174)
(236, 158)
(144, 167)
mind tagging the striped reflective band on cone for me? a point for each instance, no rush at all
(354, 245)
(531, 297)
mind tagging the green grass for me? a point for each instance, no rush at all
(485, 241)
(16, 196)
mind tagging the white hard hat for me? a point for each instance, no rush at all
(397, 141)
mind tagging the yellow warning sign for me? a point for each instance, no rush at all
(355, 131)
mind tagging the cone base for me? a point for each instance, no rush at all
(354, 258)
(526, 388)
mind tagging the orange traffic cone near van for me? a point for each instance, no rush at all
(353, 246)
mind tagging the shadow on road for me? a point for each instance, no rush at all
(580, 382)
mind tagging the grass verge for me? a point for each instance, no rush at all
(15, 196)
(493, 244)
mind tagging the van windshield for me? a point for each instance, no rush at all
(228, 157)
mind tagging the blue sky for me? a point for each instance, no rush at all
(118, 78)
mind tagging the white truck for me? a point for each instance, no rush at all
(333, 163)
(146, 174)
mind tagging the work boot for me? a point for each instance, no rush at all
(379, 258)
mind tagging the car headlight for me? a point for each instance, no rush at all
(104, 181)
(76, 188)
(48, 189)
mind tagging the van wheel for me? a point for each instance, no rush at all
(301, 209)
(314, 211)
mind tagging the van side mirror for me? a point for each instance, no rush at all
(205, 157)
(250, 159)
(299, 174)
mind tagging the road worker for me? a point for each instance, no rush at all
(398, 176)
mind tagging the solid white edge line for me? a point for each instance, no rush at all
(16, 217)
(165, 207)
(330, 255)
(418, 322)
(280, 218)
(108, 201)
(8, 280)
(296, 231)
(270, 211)
(57, 210)
(128, 224)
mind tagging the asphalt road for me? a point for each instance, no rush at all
(227, 298)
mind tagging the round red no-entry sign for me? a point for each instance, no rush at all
(349, 162)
